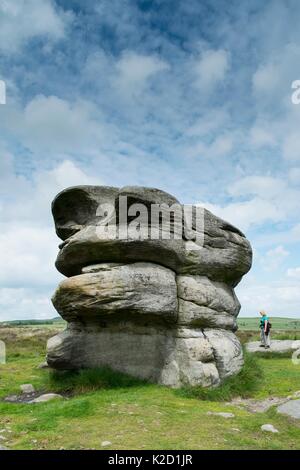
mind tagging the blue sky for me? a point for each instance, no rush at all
(191, 97)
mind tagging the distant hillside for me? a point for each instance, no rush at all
(246, 323)
(51, 321)
(278, 323)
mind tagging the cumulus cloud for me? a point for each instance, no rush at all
(274, 258)
(278, 298)
(265, 79)
(28, 242)
(28, 254)
(265, 199)
(221, 146)
(134, 71)
(211, 68)
(291, 147)
(294, 273)
(50, 125)
(53, 124)
(25, 19)
(28, 201)
(262, 137)
(212, 121)
(294, 175)
(247, 214)
(289, 236)
(23, 303)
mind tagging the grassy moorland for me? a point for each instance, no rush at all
(278, 323)
(104, 406)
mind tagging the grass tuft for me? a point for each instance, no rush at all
(287, 335)
(273, 355)
(86, 380)
(244, 384)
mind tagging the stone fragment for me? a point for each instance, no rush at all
(221, 413)
(47, 397)
(290, 408)
(27, 389)
(269, 428)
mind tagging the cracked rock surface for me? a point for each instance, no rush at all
(162, 309)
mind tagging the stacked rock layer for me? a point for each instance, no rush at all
(162, 309)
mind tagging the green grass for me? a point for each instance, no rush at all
(254, 335)
(244, 384)
(278, 323)
(132, 414)
(88, 380)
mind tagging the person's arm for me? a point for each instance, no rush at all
(266, 324)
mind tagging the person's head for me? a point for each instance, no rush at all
(262, 313)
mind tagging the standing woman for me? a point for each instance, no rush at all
(264, 330)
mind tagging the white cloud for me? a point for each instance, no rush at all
(219, 147)
(288, 236)
(278, 298)
(23, 303)
(294, 273)
(210, 122)
(30, 201)
(263, 186)
(247, 214)
(28, 254)
(291, 146)
(261, 137)
(134, 70)
(27, 237)
(294, 175)
(277, 118)
(274, 258)
(22, 20)
(51, 125)
(211, 68)
(266, 78)
(269, 199)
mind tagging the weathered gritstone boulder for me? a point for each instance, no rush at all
(141, 290)
(140, 296)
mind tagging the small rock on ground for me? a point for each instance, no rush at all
(257, 406)
(269, 428)
(11, 398)
(46, 397)
(105, 443)
(27, 388)
(43, 365)
(223, 414)
(290, 408)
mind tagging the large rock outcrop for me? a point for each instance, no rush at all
(149, 296)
